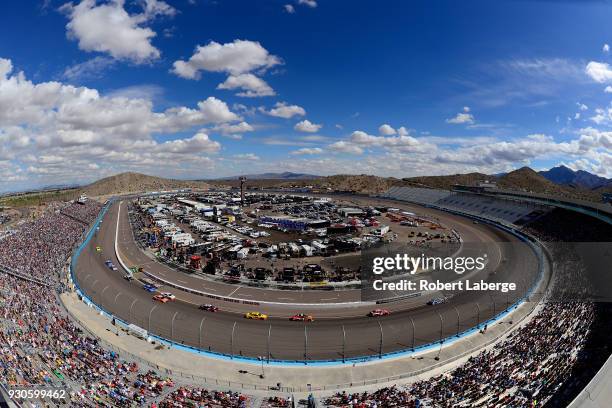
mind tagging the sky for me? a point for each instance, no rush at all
(213, 88)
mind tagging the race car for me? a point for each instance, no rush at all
(436, 301)
(301, 317)
(379, 312)
(161, 298)
(149, 288)
(256, 316)
(98, 249)
(110, 265)
(168, 295)
(209, 308)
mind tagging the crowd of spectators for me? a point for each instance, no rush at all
(185, 397)
(395, 396)
(41, 345)
(524, 370)
(85, 212)
(39, 248)
(537, 363)
(560, 225)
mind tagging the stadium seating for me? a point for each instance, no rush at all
(494, 208)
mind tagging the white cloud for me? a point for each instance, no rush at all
(227, 129)
(90, 69)
(462, 117)
(517, 152)
(402, 131)
(404, 142)
(591, 138)
(283, 110)
(345, 147)
(582, 106)
(602, 116)
(247, 156)
(199, 143)
(307, 126)
(108, 28)
(309, 3)
(606, 48)
(154, 8)
(386, 130)
(64, 132)
(237, 57)
(252, 85)
(545, 68)
(146, 91)
(289, 8)
(307, 151)
(599, 71)
(608, 89)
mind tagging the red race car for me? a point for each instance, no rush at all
(209, 308)
(161, 298)
(301, 317)
(379, 312)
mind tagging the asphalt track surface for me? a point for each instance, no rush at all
(339, 331)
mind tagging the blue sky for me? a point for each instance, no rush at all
(202, 88)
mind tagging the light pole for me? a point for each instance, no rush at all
(457, 311)
(441, 325)
(263, 373)
(305, 343)
(200, 332)
(343, 344)
(172, 325)
(269, 333)
(413, 331)
(232, 341)
(380, 347)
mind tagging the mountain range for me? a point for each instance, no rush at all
(575, 178)
(287, 175)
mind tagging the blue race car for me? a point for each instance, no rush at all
(149, 287)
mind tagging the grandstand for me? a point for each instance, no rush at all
(498, 209)
(540, 364)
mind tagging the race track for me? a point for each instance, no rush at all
(339, 330)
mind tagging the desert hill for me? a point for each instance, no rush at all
(131, 182)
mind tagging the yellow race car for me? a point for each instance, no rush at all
(256, 316)
(98, 249)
